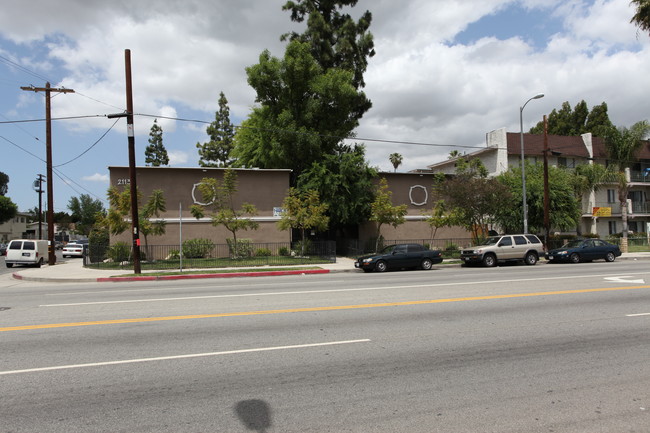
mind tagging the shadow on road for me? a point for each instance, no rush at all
(254, 414)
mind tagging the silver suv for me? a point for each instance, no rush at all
(522, 248)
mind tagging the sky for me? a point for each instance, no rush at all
(445, 73)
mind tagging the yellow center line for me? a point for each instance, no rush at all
(314, 309)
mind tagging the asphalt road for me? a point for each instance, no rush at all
(560, 348)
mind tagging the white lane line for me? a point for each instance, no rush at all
(162, 289)
(193, 355)
(636, 315)
(307, 292)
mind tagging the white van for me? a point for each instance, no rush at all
(29, 252)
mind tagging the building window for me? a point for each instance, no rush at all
(632, 226)
(612, 228)
(611, 196)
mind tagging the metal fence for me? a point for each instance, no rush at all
(450, 247)
(206, 255)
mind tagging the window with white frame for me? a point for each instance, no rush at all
(612, 228)
(611, 196)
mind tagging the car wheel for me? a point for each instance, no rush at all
(38, 265)
(530, 259)
(575, 258)
(610, 257)
(426, 264)
(490, 260)
(9, 265)
(381, 266)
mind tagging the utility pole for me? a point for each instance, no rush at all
(48, 140)
(547, 199)
(134, 190)
(38, 186)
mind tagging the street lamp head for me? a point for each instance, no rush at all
(538, 96)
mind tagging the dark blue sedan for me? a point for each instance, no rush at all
(584, 250)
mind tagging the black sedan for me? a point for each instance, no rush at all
(584, 250)
(399, 256)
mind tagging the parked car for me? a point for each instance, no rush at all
(28, 252)
(400, 256)
(73, 250)
(584, 250)
(522, 248)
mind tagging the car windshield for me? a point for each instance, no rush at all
(573, 244)
(492, 240)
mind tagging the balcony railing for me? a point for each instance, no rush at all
(615, 208)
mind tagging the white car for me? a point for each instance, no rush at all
(73, 250)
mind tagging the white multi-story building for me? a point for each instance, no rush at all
(601, 211)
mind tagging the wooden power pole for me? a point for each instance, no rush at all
(51, 258)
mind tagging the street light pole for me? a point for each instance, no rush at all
(523, 165)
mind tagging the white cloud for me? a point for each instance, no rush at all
(177, 157)
(425, 86)
(97, 177)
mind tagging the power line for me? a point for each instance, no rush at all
(91, 146)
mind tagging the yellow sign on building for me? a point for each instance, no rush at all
(602, 211)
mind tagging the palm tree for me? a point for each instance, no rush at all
(395, 159)
(588, 178)
(622, 145)
(642, 16)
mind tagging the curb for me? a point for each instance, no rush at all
(199, 276)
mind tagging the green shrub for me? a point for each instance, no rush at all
(173, 255)
(263, 252)
(98, 244)
(197, 248)
(302, 247)
(283, 251)
(451, 247)
(119, 252)
(244, 248)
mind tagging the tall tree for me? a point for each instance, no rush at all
(564, 206)
(336, 40)
(8, 209)
(473, 197)
(622, 145)
(304, 111)
(149, 221)
(85, 211)
(576, 121)
(155, 153)
(382, 210)
(216, 152)
(303, 210)
(641, 16)
(4, 183)
(395, 159)
(344, 182)
(221, 195)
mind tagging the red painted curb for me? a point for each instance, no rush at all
(198, 276)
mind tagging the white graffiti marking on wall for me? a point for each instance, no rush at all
(426, 195)
(194, 199)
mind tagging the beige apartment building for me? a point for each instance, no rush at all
(601, 211)
(266, 189)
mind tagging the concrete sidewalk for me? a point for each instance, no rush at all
(72, 271)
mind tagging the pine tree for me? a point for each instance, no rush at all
(216, 152)
(155, 153)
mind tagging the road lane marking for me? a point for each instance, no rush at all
(316, 309)
(622, 279)
(638, 314)
(188, 356)
(307, 292)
